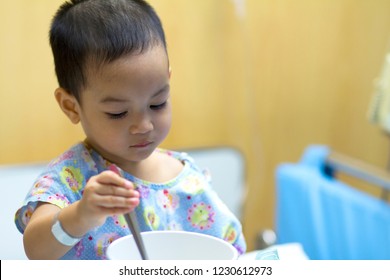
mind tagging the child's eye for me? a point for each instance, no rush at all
(117, 116)
(159, 106)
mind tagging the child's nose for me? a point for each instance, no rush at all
(141, 124)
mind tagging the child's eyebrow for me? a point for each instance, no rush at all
(111, 99)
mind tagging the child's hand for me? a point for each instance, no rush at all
(106, 194)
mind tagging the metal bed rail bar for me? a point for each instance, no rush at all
(361, 170)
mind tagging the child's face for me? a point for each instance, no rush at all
(125, 109)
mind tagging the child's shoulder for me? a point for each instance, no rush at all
(181, 156)
(171, 166)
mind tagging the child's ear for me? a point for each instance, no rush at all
(170, 71)
(68, 104)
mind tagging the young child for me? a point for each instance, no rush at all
(113, 71)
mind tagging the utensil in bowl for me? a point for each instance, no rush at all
(132, 223)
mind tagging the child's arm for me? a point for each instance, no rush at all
(104, 195)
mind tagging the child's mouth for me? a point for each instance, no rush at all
(141, 145)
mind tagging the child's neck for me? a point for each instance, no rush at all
(157, 168)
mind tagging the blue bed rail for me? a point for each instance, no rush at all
(332, 220)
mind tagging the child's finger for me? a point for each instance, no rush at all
(118, 202)
(114, 168)
(114, 190)
(112, 178)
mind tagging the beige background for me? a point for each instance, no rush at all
(266, 76)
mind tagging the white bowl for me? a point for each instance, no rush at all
(173, 245)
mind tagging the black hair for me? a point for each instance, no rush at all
(94, 32)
